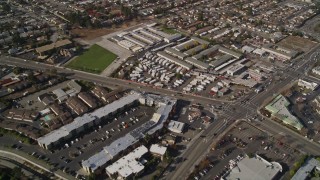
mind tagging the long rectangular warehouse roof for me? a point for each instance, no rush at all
(134, 40)
(143, 38)
(197, 63)
(174, 60)
(160, 33)
(151, 35)
(176, 53)
(195, 49)
(80, 121)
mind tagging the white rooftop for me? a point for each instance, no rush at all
(128, 164)
(176, 126)
(80, 121)
(165, 106)
(255, 168)
(157, 149)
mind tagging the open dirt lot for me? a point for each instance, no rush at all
(90, 34)
(297, 43)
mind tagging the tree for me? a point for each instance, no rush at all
(16, 173)
(147, 138)
(6, 7)
(17, 70)
(32, 78)
(17, 40)
(305, 131)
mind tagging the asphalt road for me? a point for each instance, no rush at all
(232, 110)
(239, 110)
(74, 74)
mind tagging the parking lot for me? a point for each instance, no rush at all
(69, 156)
(31, 101)
(246, 139)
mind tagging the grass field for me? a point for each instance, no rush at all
(94, 60)
(168, 30)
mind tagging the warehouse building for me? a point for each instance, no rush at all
(236, 69)
(172, 38)
(135, 41)
(160, 33)
(282, 52)
(197, 63)
(66, 132)
(195, 50)
(175, 53)
(174, 60)
(143, 38)
(151, 35)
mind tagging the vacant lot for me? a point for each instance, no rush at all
(297, 43)
(168, 30)
(91, 34)
(94, 60)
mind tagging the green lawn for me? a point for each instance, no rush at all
(168, 30)
(94, 60)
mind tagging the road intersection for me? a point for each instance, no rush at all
(240, 109)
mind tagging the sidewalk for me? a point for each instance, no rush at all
(36, 162)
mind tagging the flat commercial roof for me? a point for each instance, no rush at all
(201, 41)
(176, 126)
(255, 168)
(157, 149)
(279, 108)
(175, 52)
(186, 44)
(197, 63)
(80, 121)
(306, 169)
(223, 59)
(134, 40)
(143, 38)
(132, 137)
(150, 34)
(160, 33)
(195, 50)
(207, 51)
(280, 51)
(174, 60)
(61, 94)
(128, 164)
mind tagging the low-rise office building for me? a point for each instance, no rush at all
(308, 85)
(255, 168)
(279, 109)
(305, 170)
(236, 69)
(158, 151)
(128, 165)
(176, 126)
